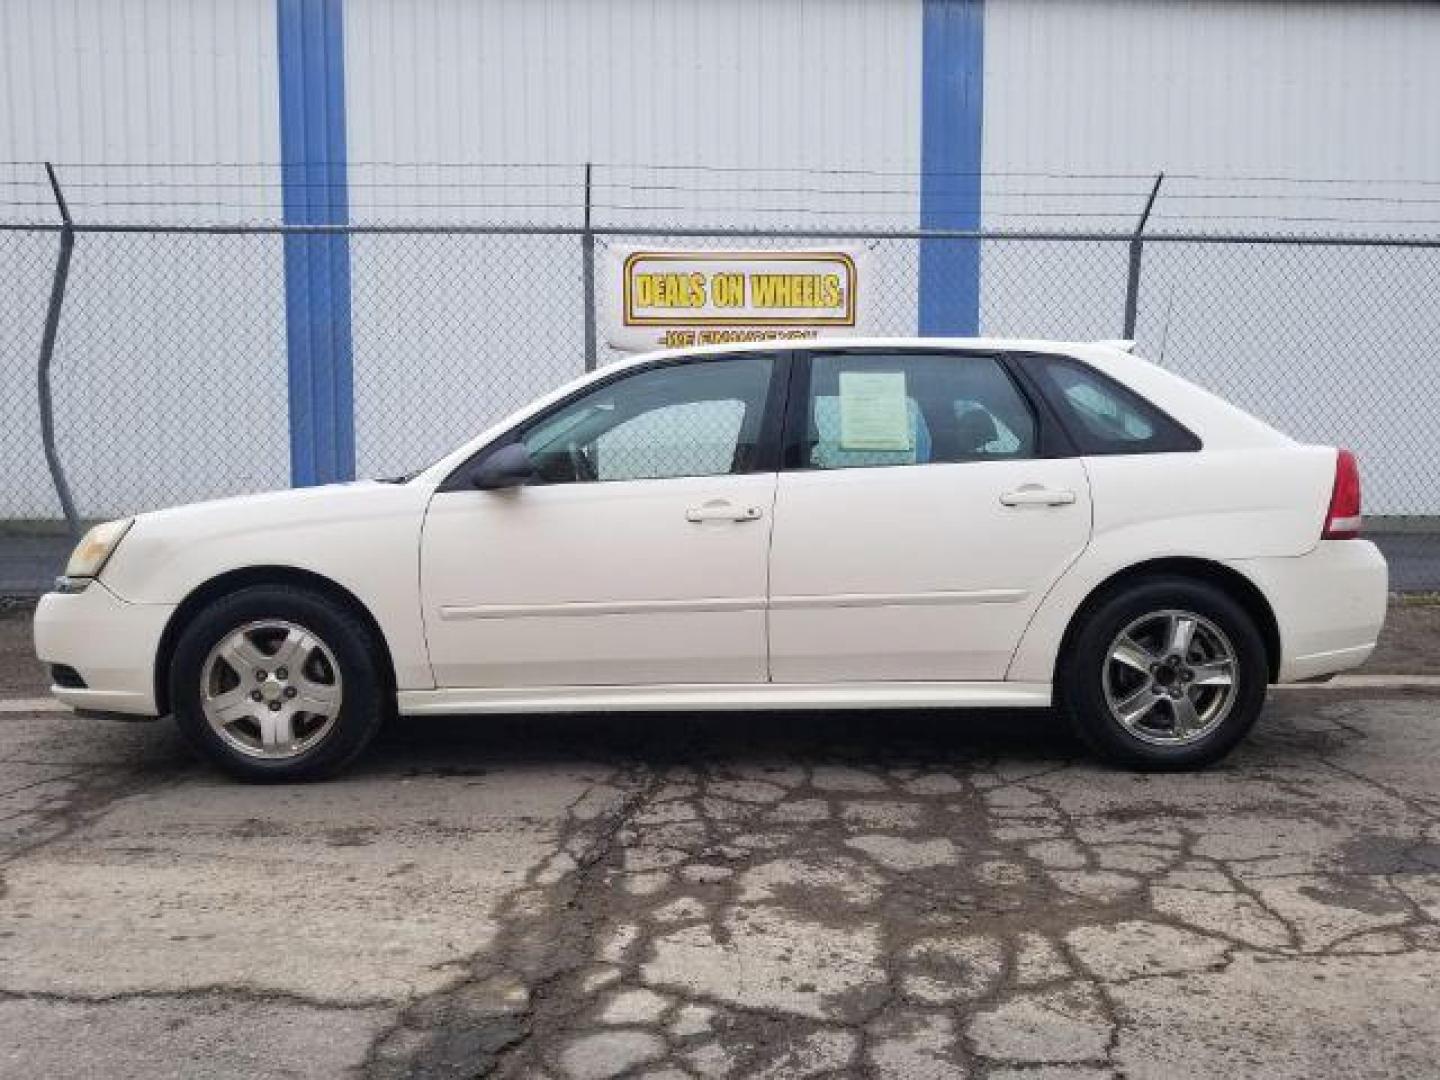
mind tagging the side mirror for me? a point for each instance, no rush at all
(509, 467)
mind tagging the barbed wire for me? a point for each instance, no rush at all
(272, 188)
(499, 191)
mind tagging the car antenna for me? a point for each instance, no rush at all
(1165, 327)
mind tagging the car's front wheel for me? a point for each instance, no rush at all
(277, 683)
(1167, 673)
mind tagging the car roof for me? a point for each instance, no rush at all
(991, 344)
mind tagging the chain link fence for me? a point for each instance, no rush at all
(170, 382)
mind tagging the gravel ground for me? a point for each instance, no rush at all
(845, 895)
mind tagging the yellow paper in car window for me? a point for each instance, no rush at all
(874, 412)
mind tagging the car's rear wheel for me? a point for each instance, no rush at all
(277, 683)
(1167, 673)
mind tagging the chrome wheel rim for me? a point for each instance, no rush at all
(271, 689)
(1171, 677)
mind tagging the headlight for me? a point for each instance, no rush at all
(96, 547)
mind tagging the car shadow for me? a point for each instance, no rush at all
(918, 738)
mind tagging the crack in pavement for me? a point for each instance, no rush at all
(57, 819)
(908, 908)
(905, 895)
(245, 994)
(472, 1026)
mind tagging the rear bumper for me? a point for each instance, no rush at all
(1329, 604)
(112, 644)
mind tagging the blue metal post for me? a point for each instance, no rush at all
(317, 266)
(952, 126)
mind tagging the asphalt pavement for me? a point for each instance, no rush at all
(834, 895)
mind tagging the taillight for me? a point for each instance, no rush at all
(1342, 521)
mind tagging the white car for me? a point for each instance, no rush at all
(913, 523)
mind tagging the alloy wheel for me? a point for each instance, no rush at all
(1171, 677)
(271, 689)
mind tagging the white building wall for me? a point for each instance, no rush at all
(752, 83)
(1219, 87)
(168, 110)
(146, 81)
(145, 106)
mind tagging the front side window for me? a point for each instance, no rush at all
(1106, 418)
(869, 409)
(694, 419)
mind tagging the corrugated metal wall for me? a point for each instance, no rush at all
(736, 92)
(739, 82)
(138, 80)
(1220, 87)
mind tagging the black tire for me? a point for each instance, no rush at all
(1082, 674)
(349, 640)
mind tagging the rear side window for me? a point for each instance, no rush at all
(876, 408)
(1103, 417)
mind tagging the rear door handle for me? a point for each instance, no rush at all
(1035, 495)
(721, 510)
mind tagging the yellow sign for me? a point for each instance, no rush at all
(664, 298)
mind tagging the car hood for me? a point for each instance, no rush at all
(302, 504)
(316, 529)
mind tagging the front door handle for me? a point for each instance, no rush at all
(1035, 495)
(722, 510)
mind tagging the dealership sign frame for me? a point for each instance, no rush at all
(663, 298)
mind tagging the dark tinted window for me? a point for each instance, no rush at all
(1103, 417)
(869, 409)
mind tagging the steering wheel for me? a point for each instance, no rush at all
(580, 463)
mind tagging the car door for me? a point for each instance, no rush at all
(924, 510)
(636, 556)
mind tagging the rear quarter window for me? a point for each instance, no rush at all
(1103, 417)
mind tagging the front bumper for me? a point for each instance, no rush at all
(1329, 604)
(111, 643)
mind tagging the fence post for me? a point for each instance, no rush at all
(47, 354)
(587, 276)
(1137, 246)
